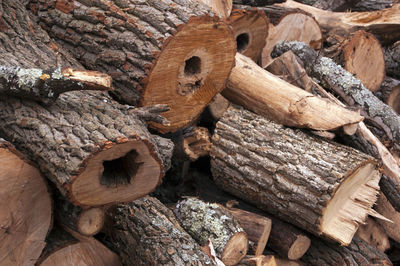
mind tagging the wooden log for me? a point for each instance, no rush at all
(257, 228)
(384, 24)
(371, 5)
(357, 253)
(64, 249)
(220, 7)
(372, 233)
(392, 60)
(384, 207)
(259, 260)
(204, 221)
(156, 54)
(279, 163)
(256, 89)
(250, 29)
(145, 232)
(96, 151)
(352, 5)
(25, 208)
(217, 107)
(256, 3)
(388, 93)
(197, 144)
(360, 54)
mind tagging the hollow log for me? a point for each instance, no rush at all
(145, 232)
(96, 151)
(250, 29)
(26, 208)
(256, 89)
(372, 233)
(279, 163)
(65, 249)
(392, 229)
(205, 221)
(384, 24)
(357, 253)
(392, 60)
(220, 7)
(158, 52)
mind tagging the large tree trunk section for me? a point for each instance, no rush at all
(361, 54)
(384, 207)
(384, 24)
(392, 59)
(372, 233)
(96, 151)
(357, 253)
(271, 166)
(256, 89)
(210, 221)
(145, 232)
(170, 52)
(25, 209)
(250, 28)
(221, 7)
(64, 249)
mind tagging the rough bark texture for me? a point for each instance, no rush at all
(145, 232)
(357, 253)
(170, 51)
(25, 209)
(370, 5)
(271, 166)
(205, 221)
(392, 60)
(221, 7)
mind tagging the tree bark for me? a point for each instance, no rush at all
(222, 7)
(278, 164)
(145, 232)
(251, 86)
(392, 60)
(357, 253)
(213, 222)
(25, 208)
(171, 52)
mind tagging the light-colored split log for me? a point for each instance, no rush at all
(372, 233)
(259, 260)
(392, 229)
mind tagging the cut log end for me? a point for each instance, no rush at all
(121, 173)
(351, 204)
(91, 221)
(198, 144)
(235, 249)
(197, 70)
(299, 247)
(394, 99)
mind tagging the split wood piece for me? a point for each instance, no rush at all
(384, 24)
(221, 7)
(47, 85)
(25, 209)
(372, 233)
(64, 249)
(96, 151)
(360, 54)
(257, 3)
(257, 228)
(286, 262)
(259, 260)
(218, 106)
(278, 164)
(384, 207)
(392, 60)
(357, 253)
(197, 144)
(250, 29)
(145, 232)
(258, 90)
(205, 221)
(390, 93)
(350, 89)
(156, 54)
(289, 25)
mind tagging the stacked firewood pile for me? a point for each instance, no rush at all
(198, 132)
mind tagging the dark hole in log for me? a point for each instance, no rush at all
(120, 171)
(242, 41)
(192, 66)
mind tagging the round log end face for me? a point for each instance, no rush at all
(190, 70)
(91, 221)
(250, 29)
(363, 56)
(299, 247)
(351, 204)
(236, 249)
(120, 173)
(292, 27)
(394, 99)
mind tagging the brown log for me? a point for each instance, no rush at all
(259, 260)
(250, 29)
(360, 54)
(384, 24)
(256, 89)
(257, 3)
(279, 163)
(220, 7)
(145, 232)
(392, 229)
(357, 253)
(392, 60)
(197, 144)
(64, 249)
(217, 107)
(206, 221)
(372, 233)
(156, 54)
(257, 228)
(25, 209)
